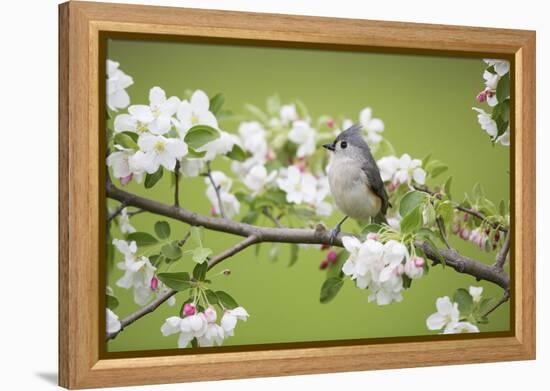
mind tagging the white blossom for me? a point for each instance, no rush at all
(460, 328)
(414, 267)
(258, 178)
(476, 292)
(214, 333)
(156, 117)
(253, 137)
(156, 151)
(230, 317)
(288, 113)
(117, 82)
(124, 222)
(487, 122)
(447, 314)
(303, 135)
(402, 170)
(191, 167)
(299, 187)
(195, 112)
(138, 272)
(501, 67)
(119, 161)
(220, 146)
(113, 323)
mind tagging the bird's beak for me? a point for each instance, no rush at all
(330, 146)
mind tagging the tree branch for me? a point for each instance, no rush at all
(152, 306)
(469, 211)
(503, 300)
(503, 253)
(216, 189)
(255, 234)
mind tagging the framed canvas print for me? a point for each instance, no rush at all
(248, 195)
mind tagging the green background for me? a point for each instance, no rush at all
(425, 103)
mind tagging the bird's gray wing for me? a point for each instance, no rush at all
(375, 181)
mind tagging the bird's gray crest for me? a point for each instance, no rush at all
(351, 133)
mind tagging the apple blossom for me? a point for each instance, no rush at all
(476, 292)
(157, 116)
(124, 222)
(117, 82)
(460, 328)
(288, 113)
(501, 67)
(447, 313)
(257, 178)
(156, 151)
(195, 112)
(401, 170)
(230, 317)
(191, 167)
(254, 140)
(414, 267)
(113, 323)
(303, 135)
(220, 146)
(299, 187)
(119, 161)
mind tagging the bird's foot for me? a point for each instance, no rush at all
(334, 234)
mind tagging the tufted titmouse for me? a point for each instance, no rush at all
(354, 179)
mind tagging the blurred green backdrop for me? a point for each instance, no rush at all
(425, 103)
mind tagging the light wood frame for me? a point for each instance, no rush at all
(80, 175)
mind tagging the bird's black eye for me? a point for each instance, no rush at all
(343, 144)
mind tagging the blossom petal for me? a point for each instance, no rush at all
(200, 101)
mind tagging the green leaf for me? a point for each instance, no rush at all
(152, 179)
(502, 208)
(445, 209)
(112, 302)
(294, 249)
(125, 140)
(330, 289)
(201, 254)
(503, 88)
(250, 217)
(199, 271)
(200, 135)
(447, 187)
(335, 269)
(410, 201)
(162, 229)
(237, 153)
(273, 105)
(216, 103)
(373, 227)
(142, 238)
(464, 300)
(211, 296)
(196, 235)
(192, 154)
(226, 300)
(429, 213)
(178, 281)
(171, 251)
(412, 221)
(256, 112)
(435, 167)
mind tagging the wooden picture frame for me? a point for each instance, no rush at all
(81, 186)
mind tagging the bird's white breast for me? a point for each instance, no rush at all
(350, 189)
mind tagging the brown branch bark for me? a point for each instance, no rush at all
(503, 253)
(255, 234)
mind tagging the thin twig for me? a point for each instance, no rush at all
(177, 185)
(182, 242)
(503, 300)
(442, 232)
(503, 253)
(116, 212)
(273, 219)
(216, 189)
(152, 306)
(469, 211)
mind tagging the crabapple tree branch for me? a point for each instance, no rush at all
(147, 309)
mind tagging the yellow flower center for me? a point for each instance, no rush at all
(194, 119)
(160, 147)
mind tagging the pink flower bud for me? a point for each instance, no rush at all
(189, 309)
(301, 164)
(465, 234)
(127, 179)
(271, 155)
(331, 256)
(213, 211)
(372, 236)
(323, 265)
(325, 246)
(154, 283)
(456, 228)
(331, 123)
(418, 261)
(393, 185)
(481, 97)
(465, 216)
